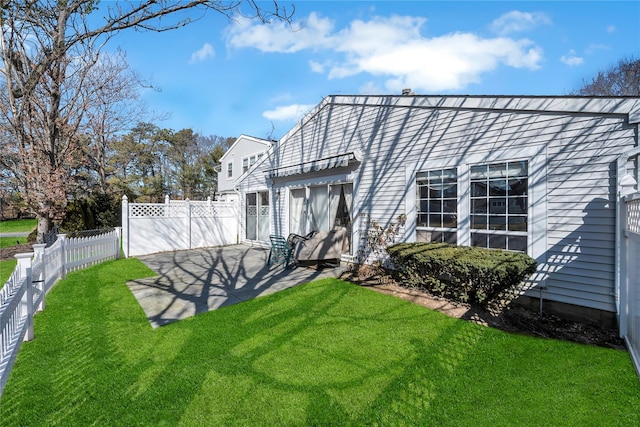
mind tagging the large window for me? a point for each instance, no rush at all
(437, 206)
(499, 205)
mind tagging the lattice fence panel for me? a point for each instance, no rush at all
(156, 210)
(633, 215)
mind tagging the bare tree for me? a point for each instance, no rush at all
(48, 50)
(623, 79)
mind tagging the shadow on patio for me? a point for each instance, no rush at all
(199, 280)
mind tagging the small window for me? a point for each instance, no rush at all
(252, 160)
(245, 165)
(260, 156)
(437, 205)
(229, 169)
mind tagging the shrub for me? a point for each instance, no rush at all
(466, 274)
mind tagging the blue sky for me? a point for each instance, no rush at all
(226, 78)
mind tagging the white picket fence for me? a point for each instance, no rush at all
(630, 273)
(177, 225)
(34, 276)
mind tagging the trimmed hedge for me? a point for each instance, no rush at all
(466, 274)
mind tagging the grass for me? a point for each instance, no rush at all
(324, 353)
(18, 225)
(6, 268)
(6, 242)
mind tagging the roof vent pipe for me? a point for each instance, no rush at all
(406, 92)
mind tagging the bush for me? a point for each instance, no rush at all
(466, 274)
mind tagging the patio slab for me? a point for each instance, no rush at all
(200, 280)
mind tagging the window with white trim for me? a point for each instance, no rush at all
(437, 206)
(245, 165)
(499, 205)
(230, 170)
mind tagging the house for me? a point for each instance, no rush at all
(540, 175)
(244, 153)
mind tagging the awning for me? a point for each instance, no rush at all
(333, 162)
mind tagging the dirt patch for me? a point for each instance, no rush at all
(513, 318)
(9, 252)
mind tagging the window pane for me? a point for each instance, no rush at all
(435, 220)
(478, 172)
(479, 240)
(497, 170)
(518, 187)
(517, 205)
(498, 187)
(449, 221)
(517, 168)
(264, 198)
(518, 223)
(497, 205)
(517, 243)
(422, 220)
(450, 189)
(497, 241)
(435, 206)
(478, 189)
(497, 222)
(479, 222)
(450, 206)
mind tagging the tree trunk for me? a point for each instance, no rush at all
(44, 225)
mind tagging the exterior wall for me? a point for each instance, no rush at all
(243, 147)
(572, 146)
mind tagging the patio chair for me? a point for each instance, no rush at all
(280, 252)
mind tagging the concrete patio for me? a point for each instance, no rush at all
(200, 280)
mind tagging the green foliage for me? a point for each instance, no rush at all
(6, 268)
(100, 210)
(324, 353)
(466, 274)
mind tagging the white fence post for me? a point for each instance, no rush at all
(125, 226)
(119, 241)
(63, 255)
(24, 266)
(187, 211)
(38, 250)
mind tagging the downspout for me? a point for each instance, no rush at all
(624, 185)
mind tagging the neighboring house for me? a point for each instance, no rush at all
(539, 175)
(244, 153)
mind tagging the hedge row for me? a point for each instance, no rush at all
(466, 274)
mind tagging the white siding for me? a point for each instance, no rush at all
(398, 136)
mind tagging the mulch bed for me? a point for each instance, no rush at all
(513, 318)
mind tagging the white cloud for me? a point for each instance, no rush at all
(516, 21)
(611, 29)
(281, 37)
(571, 59)
(316, 67)
(393, 48)
(205, 52)
(594, 47)
(287, 112)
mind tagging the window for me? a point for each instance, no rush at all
(499, 205)
(247, 162)
(437, 206)
(229, 169)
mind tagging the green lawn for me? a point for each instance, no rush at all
(18, 225)
(5, 242)
(6, 268)
(324, 353)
